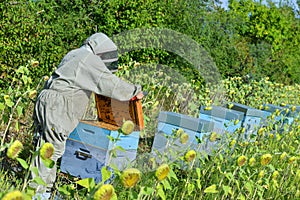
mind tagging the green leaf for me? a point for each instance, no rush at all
(166, 184)
(227, 190)
(172, 175)
(19, 110)
(161, 192)
(211, 189)
(87, 183)
(39, 181)
(148, 190)
(48, 163)
(120, 148)
(35, 170)
(2, 106)
(105, 173)
(190, 188)
(249, 187)
(23, 163)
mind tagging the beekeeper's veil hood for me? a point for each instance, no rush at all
(103, 46)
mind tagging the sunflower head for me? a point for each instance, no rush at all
(47, 151)
(190, 156)
(242, 160)
(162, 172)
(127, 127)
(14, 195)
(213, 137)
(105, 192)
(130, 177)
(14, 149)
(265, 159)
(184, 137)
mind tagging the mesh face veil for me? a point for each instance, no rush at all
(105, 48)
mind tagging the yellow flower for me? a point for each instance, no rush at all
(14, 195)
(46, 151)
(275, 175)
(179, 132)
(283, 155)
(236, 121)
(190, 156)
(252, 161)
(230, 105)
(261, 174)
(293, 108)
(292, 159)
(34, 63)
(14, 150)
(207, 108)
(213, 137)
(242, 160)
(46, 78)
(130, 177)
(105, 192)
(127, 127)
(260, 131)
(162, 172)
(32, 94)
(184, 138)
(265, 159)
(232, 143)
(271, 136)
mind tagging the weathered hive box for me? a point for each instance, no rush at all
(253, 118)
(281, 114)
(89, 148)
(169, 123)
(225, 120)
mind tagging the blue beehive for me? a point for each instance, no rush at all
(294, 112)
(281, 114)
(88, 150)
(93, 143)
(223, 118)
(253, 118)
(170, 122)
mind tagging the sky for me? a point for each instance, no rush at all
(292, 3)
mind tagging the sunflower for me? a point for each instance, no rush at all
(14, 195)
(47, 151)
(130, 177)
(127, 127)
(190, 156)
(242, 160)
(265, 159)
(162, 172)
(14, 150)
(105, 192)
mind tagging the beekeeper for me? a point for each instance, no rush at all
(62, 102)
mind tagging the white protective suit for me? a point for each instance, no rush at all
(62, 102)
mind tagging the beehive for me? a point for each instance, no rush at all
(90, 146)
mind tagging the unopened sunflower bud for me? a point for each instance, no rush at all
(213, 137)
(184, 138)
(127, 127)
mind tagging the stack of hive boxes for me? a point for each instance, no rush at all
(93, 142)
